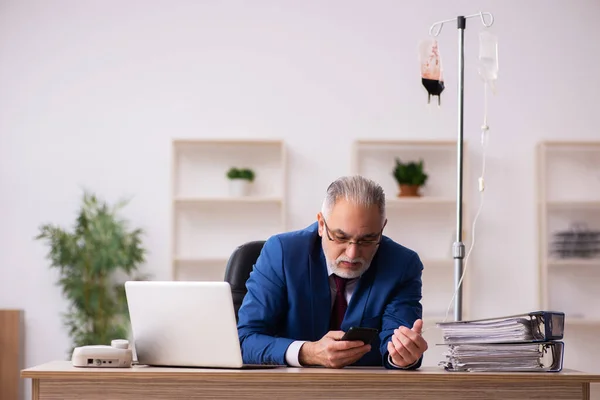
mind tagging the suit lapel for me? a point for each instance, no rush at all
(320, 293)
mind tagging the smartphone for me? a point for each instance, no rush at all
(359, 333)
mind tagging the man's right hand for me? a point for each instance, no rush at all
(332, 352)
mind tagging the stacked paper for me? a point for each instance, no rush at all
(491, 331)
(526, 342)
(515, 357)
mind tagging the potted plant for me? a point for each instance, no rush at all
(94, 260)
(240, 180)
(410, 177)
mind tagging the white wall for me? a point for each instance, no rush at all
(92, 93)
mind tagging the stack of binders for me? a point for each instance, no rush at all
(519, 343)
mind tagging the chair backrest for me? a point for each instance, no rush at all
(238, 270)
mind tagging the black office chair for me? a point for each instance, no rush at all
(238, 270)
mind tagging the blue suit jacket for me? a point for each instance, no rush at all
(289, 297)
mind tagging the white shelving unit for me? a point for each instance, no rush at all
(569, 198)
(568, 193)
(426, 224)
(208, 223)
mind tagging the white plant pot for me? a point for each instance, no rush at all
(239, 187)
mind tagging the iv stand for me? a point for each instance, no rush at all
(458, 247)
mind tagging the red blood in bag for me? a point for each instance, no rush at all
(434, 88)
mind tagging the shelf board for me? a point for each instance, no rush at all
(226, 142)
(578, 145)
(438, 262)
(407, 143)
(226, 200)
(575, 262)
(570, 204)
(582, 321)
(423, 200)
(192, 261)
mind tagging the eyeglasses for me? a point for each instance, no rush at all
(348, 242)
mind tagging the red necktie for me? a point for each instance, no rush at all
(339, 305)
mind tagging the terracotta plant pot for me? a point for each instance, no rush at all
(409, 191)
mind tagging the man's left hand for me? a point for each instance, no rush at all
(407, 345)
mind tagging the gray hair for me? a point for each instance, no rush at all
(356, 189)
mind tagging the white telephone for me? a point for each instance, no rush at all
(117, 355)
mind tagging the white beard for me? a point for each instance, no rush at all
(348, 274)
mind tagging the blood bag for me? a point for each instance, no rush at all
(431, 68)
(488, 58)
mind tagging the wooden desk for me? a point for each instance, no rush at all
(59, 380)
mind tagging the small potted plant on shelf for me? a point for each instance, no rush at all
(410, 177)
(240, 180)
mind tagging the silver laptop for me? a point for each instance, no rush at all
(184, 324)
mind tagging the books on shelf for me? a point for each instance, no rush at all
(577, 242)
(524, 342)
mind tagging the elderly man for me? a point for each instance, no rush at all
(310, 286)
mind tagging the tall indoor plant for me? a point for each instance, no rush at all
(94, 260)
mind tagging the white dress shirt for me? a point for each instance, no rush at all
(293, 350)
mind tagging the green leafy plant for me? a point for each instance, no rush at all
(241, 173)
(94, 260)
(410, 173)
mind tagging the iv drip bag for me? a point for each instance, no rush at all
(431, 68)
(488, 57)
